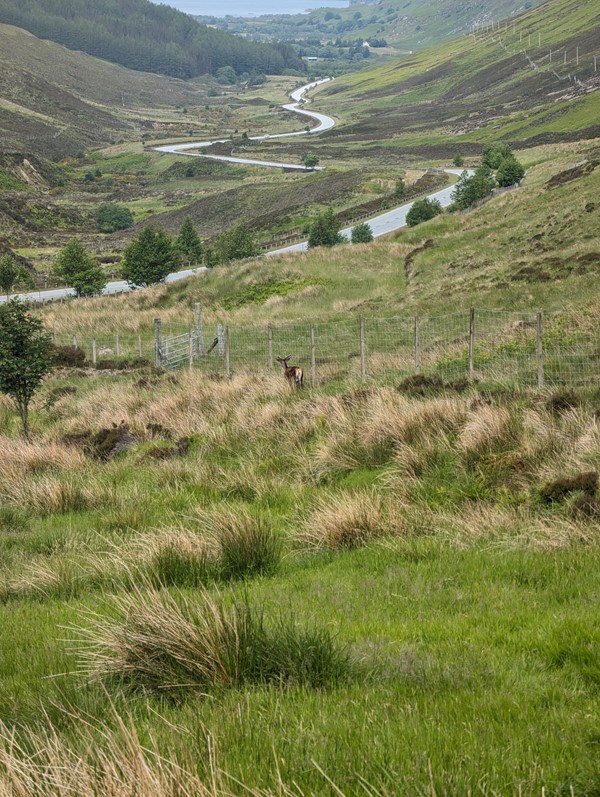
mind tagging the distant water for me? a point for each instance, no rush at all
(241, 8)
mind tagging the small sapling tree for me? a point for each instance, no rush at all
(310, 160)
(325, 230)
(510, 172)
(236, 243)
(188, 245)
(149, 257)
(75, 265)
(12, 274)
(25, 356)
(362, 233)
(423, 210)
(400, 189)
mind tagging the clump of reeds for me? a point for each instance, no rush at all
(164, 642)
(245, 545)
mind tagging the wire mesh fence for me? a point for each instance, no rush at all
(477, 344)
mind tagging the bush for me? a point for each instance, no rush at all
(362, 233)
(558, 490)
(112, 217)
(68, 356)
(172, 644)
(423, 210)
(510, 172)
(325, 230)
(494, 154)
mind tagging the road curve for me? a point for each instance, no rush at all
(325, 123)
(386, 222)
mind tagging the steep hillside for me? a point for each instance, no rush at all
(54, 102)
(142, 35)
(529, 81)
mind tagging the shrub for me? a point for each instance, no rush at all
(112, 217)
(494, 154)
(310, 160)
(68, 356)
(510, 172)
(325, 230)
(362, 233)
(423, 210)
(558, 490)
(170, 643)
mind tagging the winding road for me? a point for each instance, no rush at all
(381, 225)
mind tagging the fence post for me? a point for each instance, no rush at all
(94, 352)
(270, 346)
(313, 359)
(199, 331)
(221, 339)
(74, 342)
(363, 358)
(191, 349)
(118, 347)
(539, 350)
(417, 346)
(140, 345)
(157, 343)
(226, 343)
(471, 342)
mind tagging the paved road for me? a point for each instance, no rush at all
(119, 286)
(386, 222)
(325, 123)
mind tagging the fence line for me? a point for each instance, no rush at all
(474, 344)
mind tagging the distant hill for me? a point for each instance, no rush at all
(530, 80)
(54, 102)
(412, 24)
(141, 35)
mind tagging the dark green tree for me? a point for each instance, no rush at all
(362, 233)
(510, 172)
(188, 244)
(494, 154)
(25, 356)
(12, 274)
(325, 230)
(75, 265)
(149, 257)
(310, 160)
(458, 161)
(400, 189)
(423, 210)
(111, 217)
(472, 188)
(236, 243)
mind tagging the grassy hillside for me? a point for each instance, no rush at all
(478, 88)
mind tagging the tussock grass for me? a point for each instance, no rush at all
(172, 643)
(344, 521)
(245, 545)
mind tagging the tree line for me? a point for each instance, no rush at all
(147, 37)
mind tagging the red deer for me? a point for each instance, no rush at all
(293, 374)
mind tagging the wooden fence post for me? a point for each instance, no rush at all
(221, 339)
(313, 359)
(157, 343)
(140, 350)
(417, 346)
(471, 342)
(191, 350)
(74, 342)
(363, 354)
(118, 346)
(199, 330)
(94, 352)
(539, 350)
(270, 347)
(227, 362)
